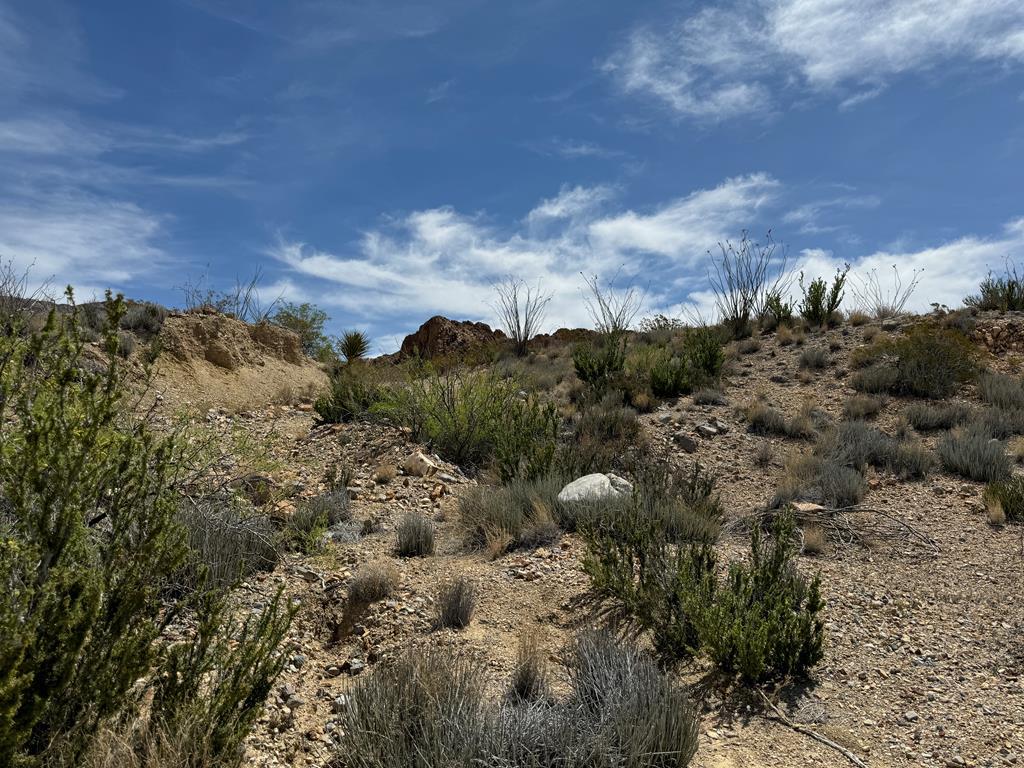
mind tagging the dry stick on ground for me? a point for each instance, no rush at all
(782, 718)
(836, 520)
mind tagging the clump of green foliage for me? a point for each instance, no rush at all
(763, 623)
(856, 444)
(1002, 293)
(307, 322)
(821, 301)
(598, 362)
(477, 419)
(926, 361)
(91, 549)
(355, 388)
(525, 512)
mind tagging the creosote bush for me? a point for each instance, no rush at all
(926, 361)
(820, 301)
(415, 536)
(92, 551)
(762, 623)
(429, 709)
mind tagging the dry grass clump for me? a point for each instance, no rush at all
(530, 677)
(415, 536)
(821, 481)
(857, 445)
(709, 397)
(384, 474)
(1004, 500)
(788, 335)
(814, 358)
(748, 346)
(857, 318)
(520, 514)
(1001, 390)
(861, 407)
(456, 601)
(763, 419)
(764, 455)
(975, 455)
(373, 582)
(814, 539)
(925, 417)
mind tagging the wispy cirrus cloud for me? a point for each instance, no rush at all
(734, 60)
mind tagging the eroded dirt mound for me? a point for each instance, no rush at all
(213, 360)
(441, 337)
(226, 342)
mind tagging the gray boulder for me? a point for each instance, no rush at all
(595, 487)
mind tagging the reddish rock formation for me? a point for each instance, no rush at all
(441, 337)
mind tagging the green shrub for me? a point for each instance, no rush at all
(1008, 496)
(355, 390)
(91, 549)
(765, 623)
(974, 455)
(697, 364)
(307, 322)
(309, 522)
(603, 434)
(415, 536)
(1003, 293)
(596, 363)
(820, 301)
(456, 601)
(476, 419)
(926, 361)
(776, 311)
(429, 709)
(857, 445)
(1001, 390)
(926, 417)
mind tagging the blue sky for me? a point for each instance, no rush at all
(390, 160)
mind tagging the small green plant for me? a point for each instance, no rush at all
(307, 322)
(456, 601)
(820, 301)
(355, 389)
(308, 524)
(598, 362)
(415, 536)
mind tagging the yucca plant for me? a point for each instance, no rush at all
(353, 345)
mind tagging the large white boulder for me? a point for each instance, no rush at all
(595, 487)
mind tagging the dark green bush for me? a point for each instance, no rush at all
(353, 345)
(603, 435)
(92, 550)
(926, 417)
(355, 389)
(698, 363)
(974, 455)
(146, 319)
(926, 361)
(597, 362)
(765, 623)
(821, 301)
(307, 322)
(415, 536)
(1003, 293)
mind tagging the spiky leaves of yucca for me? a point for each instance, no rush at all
(89, 545)
(354, 345)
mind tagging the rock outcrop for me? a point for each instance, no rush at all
(442, 337)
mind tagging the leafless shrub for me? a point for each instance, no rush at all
(612, 310)
(746, 277)
(372, 582)
(521, 308)
(883, 301)
(456, 601)
(242, 302)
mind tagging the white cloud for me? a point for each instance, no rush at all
(724, 62)
(441, 261)
(81, 240)
(809, 215)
